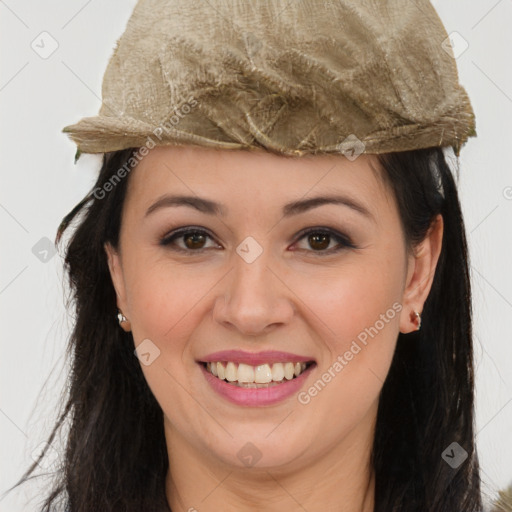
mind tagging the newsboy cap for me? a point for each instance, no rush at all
(295, 78)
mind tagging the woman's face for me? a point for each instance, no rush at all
(248, 279)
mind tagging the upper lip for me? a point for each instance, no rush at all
(255, 358)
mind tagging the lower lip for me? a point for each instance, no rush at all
(256, 396)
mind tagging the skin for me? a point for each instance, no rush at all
(294, 297)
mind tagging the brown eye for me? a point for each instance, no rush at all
(319, 241)
(188, 240)
(194, 240)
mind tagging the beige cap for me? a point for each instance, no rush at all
(292, 77)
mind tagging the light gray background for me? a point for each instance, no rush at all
(40, 184)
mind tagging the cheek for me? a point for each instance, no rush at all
(167, 305)
(164, 298)
(355, 314)
(354, 300)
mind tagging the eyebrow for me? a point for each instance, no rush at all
(211, 207)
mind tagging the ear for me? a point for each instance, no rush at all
(116, 274)
(420, 275)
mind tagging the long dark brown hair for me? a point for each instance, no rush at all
(115, 456)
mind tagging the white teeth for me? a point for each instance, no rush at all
(260, 374)
(231, 373)
(220, 371)
(278, 372)
(245, 373)
(289, 371)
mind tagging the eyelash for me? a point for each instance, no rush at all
(344, 241)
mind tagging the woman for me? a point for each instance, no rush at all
(273, 308)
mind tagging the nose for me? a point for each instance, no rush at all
(255, 299)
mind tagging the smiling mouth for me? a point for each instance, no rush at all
(258, 376)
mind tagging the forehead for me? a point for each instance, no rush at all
(254, 176)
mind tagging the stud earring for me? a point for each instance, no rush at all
(121, 318)
(416, 319)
